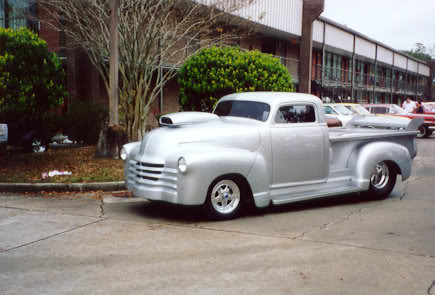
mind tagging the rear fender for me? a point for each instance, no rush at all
(364, 159)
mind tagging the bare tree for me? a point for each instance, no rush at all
(155, 36)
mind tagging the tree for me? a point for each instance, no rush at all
(31, 77)
(155, 37)
(215, 72)
(420, 52)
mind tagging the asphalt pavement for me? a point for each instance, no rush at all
(98, 243)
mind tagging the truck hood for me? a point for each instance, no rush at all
(231, 133)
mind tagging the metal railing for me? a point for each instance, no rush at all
(333, 77)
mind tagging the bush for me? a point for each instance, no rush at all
(215, 72)
(83, 121)
(31, 77)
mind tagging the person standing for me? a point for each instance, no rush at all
(409, 105)
(419, 109)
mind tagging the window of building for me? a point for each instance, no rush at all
(17, 13)
(329, 59)
(295, 114)
(2, 13)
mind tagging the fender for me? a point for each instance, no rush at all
(259, 180)
(364, 159)
(132, 150)
(203, 167)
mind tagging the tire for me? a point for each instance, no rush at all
(38, 144)
(223, 200)
(424, 132)
(382, 181)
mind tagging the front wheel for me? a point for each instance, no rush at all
(223, 198)
(382, 180)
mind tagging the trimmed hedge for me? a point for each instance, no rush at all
(31, 77)
(214, 72)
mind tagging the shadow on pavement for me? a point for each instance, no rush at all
(166, 212)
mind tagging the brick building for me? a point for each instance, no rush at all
(323, 57)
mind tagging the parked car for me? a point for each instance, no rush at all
(333, 122)
(30, 139)
(426, 128)
(429, 108)
(3, 136)
(264, 147)
(357, 109)
(338, 111)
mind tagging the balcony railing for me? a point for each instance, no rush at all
(333, 77)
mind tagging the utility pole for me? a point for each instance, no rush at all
(114, 65)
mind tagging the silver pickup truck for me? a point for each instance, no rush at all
(264, 148)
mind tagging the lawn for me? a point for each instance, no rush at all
(19, 167)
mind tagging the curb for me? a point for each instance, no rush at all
(61, 187)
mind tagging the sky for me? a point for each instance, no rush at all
(397, 23)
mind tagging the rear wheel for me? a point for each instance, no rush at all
(423, 132)
(224, 198)
(382, 180)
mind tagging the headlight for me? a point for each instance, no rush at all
(123, 154)
(182, 165)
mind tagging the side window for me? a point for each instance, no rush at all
(379, 110)
(295, 114)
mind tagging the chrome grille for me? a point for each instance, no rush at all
(153, 175)
(143, 169)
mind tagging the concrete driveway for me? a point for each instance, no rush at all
(98, 244)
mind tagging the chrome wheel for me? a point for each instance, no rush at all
(380, 176)
(225, 196)
(38, 146)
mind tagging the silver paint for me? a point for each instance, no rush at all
(281, 163)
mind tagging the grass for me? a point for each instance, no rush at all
(19, 167)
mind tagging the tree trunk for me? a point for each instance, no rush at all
(111, 140)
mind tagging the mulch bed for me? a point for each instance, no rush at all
(19, 167)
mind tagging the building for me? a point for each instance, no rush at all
(324, 58)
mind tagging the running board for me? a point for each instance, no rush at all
(308, 195)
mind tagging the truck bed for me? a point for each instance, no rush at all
(345, 134)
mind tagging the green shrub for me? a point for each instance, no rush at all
(215, 72)
(83, 121)
(31, 77)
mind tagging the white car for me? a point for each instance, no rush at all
(338, 111)
(3, 136)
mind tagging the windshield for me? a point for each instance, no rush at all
(429, 106)
(245, 109)
(395, 109)
(362, 110)
(342, 110)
